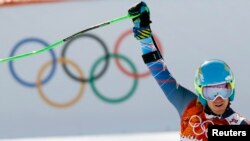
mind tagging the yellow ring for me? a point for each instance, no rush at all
(46, 98)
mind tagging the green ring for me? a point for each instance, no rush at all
(100, 95)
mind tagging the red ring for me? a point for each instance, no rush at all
(117, 62)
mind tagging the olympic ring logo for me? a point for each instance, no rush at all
(201, 124)
(66, 62)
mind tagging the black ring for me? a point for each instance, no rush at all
(65, 68)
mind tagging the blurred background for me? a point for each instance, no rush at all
(42, 97)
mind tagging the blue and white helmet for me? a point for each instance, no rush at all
(213, 72)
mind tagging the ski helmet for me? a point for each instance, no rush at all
(213, 72)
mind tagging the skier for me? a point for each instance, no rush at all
(214, 85)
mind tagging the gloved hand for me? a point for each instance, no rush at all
(142, 10)
(141, 23)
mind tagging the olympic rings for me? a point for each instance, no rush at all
(53, 103)
(106, 54)
(199, 124)
(117, 45)
(93, 76)
(101, 96)
(11, 63)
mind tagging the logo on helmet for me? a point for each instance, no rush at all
(201, 77)
(228, 78)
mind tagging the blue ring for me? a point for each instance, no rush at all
(11, 63)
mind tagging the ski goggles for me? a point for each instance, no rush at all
(212, 92)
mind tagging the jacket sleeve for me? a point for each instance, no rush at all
(179, 96)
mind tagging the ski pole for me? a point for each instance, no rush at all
(65, 39)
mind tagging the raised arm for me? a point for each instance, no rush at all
(176, 94)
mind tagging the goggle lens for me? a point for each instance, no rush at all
(222, 90)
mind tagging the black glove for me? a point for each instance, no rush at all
(141, 9)
(141, 21)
